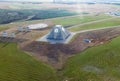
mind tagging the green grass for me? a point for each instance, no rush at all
(101, 63)
(17, 24)
(67, 21)
(15, 65)
(95, 64)
(70, 21)
(101, 24)
(3, 28)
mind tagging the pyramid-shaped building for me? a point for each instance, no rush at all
(58, 33)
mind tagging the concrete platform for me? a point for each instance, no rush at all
(44, 39)
(37, 26)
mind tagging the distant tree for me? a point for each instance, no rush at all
(7, 16)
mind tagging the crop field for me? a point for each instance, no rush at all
(99, 24)
(99, 65)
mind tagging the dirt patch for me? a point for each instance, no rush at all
(93, 69)
(57, 54)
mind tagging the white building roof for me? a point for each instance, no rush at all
(38, 26)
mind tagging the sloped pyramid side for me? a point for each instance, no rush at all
(58, 33)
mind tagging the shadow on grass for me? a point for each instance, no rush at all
(5, 44)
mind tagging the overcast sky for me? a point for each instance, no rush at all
(30, 0)
(64, 0)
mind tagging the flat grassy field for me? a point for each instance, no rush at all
(67, 21)
(3, 28)
(15, 65)
(18, 24)
(100, 24)
(100, 63)
(71, 21)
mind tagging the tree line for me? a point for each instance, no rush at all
(8, 16)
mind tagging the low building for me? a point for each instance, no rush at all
(58, 34)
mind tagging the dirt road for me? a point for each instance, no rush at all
(97, 29)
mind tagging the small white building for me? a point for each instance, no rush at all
(5, 34)
(12, 35)
(27, 29)
(20, 29)
(24, 29)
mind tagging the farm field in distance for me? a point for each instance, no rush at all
(25, 59)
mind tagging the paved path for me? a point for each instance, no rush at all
(97, 29)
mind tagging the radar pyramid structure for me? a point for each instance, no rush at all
(58, 33)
